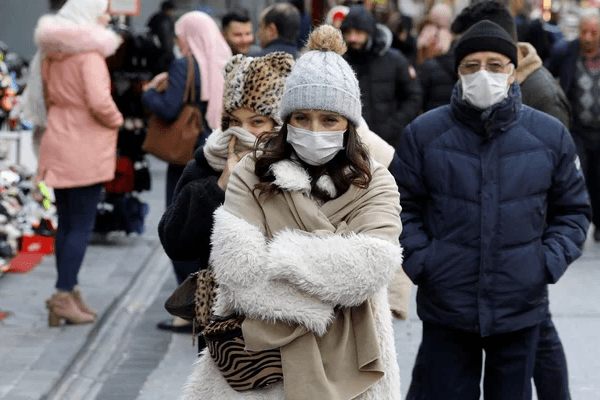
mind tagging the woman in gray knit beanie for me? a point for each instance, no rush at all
(305, 245)
(320, 110)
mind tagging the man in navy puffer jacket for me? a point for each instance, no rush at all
(494, 209)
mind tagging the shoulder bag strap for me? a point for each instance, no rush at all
(190, 84)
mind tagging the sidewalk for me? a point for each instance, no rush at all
(575, 308)
(34, 356)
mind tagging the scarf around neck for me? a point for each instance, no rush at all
(346, 361)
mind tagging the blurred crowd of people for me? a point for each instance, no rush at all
(484, 118)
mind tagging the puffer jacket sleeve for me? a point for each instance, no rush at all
(569, 211)
(186, 225)
(96, 81)
(413, 194)
(426, 71)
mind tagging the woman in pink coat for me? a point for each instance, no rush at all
(78, 150)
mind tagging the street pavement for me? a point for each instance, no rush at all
(124, 356)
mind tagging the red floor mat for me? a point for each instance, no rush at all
(24, 262)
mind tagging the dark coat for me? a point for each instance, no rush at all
(163, 26)
(563, 64)
(494, 208)
(169, 103)
(391, 93)
(437, 77)
(277, 45)
(304, 32)
(185, 227)
(541, 91)
(408, 47)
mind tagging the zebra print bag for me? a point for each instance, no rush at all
(242, 369)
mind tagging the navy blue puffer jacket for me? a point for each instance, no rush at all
(494, 208)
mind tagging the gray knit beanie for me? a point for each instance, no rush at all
(322, 80)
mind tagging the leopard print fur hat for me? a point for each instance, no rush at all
(256, 83)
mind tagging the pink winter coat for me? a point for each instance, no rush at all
(80, 142)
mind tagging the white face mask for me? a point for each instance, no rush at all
(315, 148)
(484, 89)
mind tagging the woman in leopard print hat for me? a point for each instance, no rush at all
(252, 93)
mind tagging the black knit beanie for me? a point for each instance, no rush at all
(485, 36)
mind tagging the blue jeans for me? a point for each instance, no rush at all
(76, 208)
(450, 363)
(181, 268)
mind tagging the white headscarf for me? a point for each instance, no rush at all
(83, 11)
(73, 12)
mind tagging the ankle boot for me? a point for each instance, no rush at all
(61, 306)
(81, 304)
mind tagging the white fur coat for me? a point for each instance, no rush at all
(295, 277)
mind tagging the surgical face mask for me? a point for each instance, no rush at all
(484, 89)
(315, 148)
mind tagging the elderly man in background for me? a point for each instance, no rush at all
(577, 65)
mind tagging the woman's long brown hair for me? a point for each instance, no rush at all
(349, 167)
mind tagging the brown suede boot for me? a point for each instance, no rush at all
(61, 306)
(81, 304)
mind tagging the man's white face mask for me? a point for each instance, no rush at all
(483, 89)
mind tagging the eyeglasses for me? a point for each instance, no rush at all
(470, 67)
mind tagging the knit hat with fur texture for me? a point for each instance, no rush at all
(255, 83)
(322, 79)
(485, 36)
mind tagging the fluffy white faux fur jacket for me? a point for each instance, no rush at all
(252, 272)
